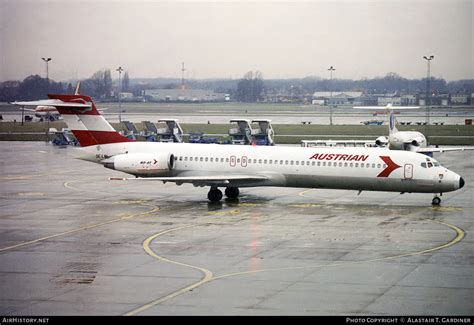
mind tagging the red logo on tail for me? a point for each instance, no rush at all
(391, 166)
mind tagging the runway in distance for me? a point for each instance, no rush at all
(405, 140)
(234, 166)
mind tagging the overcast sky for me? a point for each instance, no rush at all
(224, 39)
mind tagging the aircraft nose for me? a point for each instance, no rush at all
(461, 182)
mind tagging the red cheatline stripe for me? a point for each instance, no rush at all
(90, 138)
(391, 166)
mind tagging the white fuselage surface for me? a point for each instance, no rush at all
(338, 168)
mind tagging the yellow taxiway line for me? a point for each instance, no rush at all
(208, 275)
(126, 217)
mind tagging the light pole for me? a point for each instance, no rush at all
(331, 69)
(120, 89)
(46, 60)
(47, 68)
(428, 96)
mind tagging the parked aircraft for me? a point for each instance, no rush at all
(45, 111)
(405, 140)
(50, 112)
(231, 166)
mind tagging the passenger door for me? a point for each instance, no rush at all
(408, 171)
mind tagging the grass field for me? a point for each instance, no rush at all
(284, 133)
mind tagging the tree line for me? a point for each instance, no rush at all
(250, 88)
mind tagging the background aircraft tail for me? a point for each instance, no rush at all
(392, 121)
(84, 120)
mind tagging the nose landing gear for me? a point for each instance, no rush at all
(436, 200)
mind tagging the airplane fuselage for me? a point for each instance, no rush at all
(337, 168)
(406, 140)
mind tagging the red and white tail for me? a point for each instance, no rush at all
(84, 120)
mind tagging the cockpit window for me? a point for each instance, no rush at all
(430, 165)
(423, 165)
(436, 164)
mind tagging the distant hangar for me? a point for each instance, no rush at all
(184, 95)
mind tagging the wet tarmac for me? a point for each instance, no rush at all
(74, 243)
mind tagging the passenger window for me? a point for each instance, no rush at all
(324, 163)
(345, 164)
(286, 162)
(227, 160)
(291, 162)
(270, 161)
(384, 166)
(190, 158)
(357, 164)
(212, 159)
(201, 159)
(351, 164)
(281, 162)
(362, 165)
(265, 161)
(207, 159)
(329, 164)
(185, 158)
(373, 165)
(180, 158)
(319, 163)
(378, 166)
(313, 163)
(297, 162)
(260, 161)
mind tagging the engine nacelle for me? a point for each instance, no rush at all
(381, 141)
(418, 142)
(142, 164)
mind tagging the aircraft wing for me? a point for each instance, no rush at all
(51, 102)
(429, 150)
(201, 180)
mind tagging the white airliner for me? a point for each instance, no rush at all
(405, 140)
(50, 112)
(232, 166)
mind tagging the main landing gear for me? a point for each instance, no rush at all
(436, 200)
(215, 195)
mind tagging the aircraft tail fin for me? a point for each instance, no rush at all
(84, 120)
(392, 121)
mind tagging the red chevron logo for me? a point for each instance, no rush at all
(391, 166)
